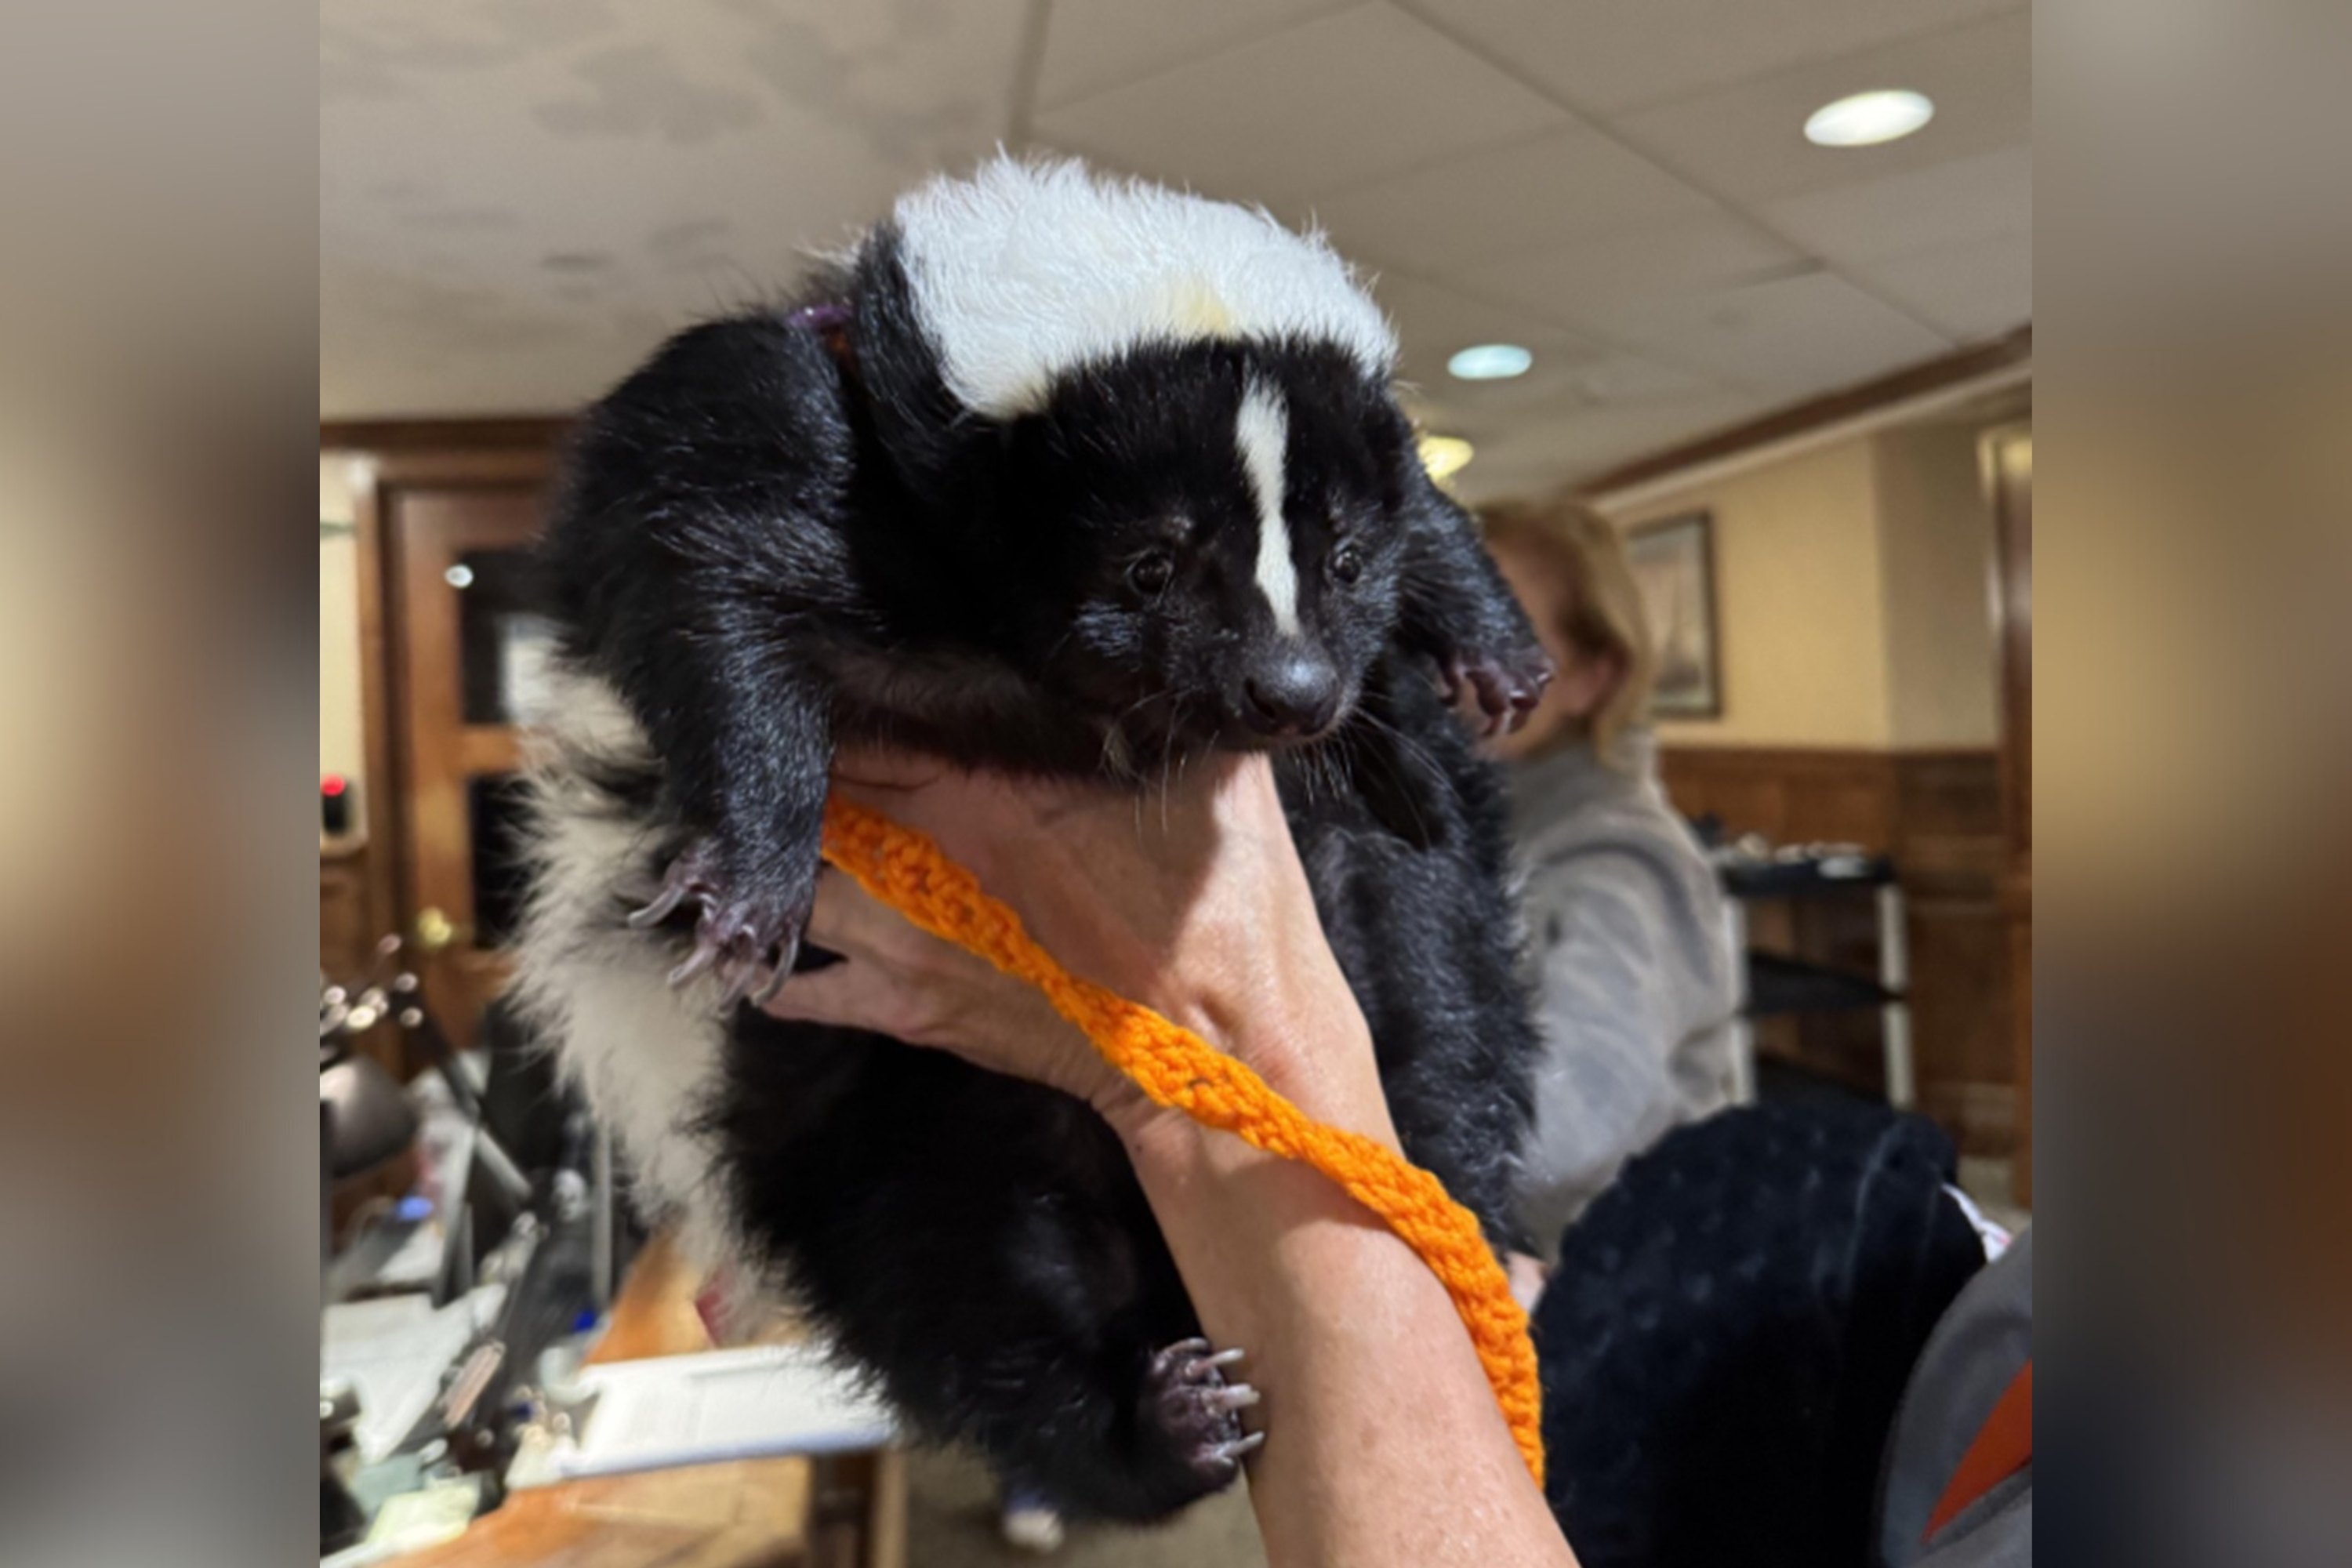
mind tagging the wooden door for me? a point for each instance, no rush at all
(463, 645)
(2009, 473)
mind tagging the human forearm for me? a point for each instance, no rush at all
(1385, 1444)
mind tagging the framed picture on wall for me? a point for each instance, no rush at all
(1674, 564)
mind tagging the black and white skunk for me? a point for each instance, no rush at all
(1059, 475)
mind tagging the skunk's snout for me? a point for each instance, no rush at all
(1290, 693)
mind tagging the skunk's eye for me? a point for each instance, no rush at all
(1346, 564)
(1152, 574)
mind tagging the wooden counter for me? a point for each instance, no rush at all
(845, 1513)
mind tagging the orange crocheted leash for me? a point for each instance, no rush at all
(1177, 1068)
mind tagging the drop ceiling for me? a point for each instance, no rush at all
(518, 198)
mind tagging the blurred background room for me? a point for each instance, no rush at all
(1750, 280)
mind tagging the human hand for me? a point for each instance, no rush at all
(1191, 902)
(898, 980)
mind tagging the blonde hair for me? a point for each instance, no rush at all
(1604, 615)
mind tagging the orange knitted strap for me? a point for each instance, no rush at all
(1176, 1067)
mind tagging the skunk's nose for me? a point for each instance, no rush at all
(1291, 692)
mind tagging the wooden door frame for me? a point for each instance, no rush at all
(2013, 672)
(384, 457)
(2013, 678)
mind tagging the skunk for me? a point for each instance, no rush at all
(1050, 473)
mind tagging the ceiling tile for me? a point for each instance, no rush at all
(1433, 321)
(1747, 143)
(391, 345)
(1609, 56)
(1970, 292)
(1554, 391)
(1583, 285)
(1964, 202)
(1629, 381)
(1566, 185)
(1337, 101)
(1092, 45)
(1791, 335)
(1572, 374)
(535, 194)
(1539, 456)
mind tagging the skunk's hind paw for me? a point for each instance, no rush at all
(1199, 1407)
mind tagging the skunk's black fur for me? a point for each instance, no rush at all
(785, 531)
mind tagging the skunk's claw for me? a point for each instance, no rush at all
(744, 942)
(773, 983)
(1506, 686)
(693, 875)
(1187, 1390)
(753, 940)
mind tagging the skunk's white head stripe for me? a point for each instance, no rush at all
(1262, 434)
(1029, 271)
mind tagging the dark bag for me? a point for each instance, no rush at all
(1729, 1332)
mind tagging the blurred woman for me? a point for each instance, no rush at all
(1636, 984)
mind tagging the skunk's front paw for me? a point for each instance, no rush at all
(1198, 1407)
(744, 939)
(1507, 686)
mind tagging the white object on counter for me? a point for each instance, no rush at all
(666, 1411)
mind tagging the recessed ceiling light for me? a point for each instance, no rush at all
(1867, 118)
(1489, 361)
(1445, 456)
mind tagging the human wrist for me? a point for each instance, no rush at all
(1156, 1137)
(1325, 1070)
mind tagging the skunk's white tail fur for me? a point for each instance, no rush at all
(647, 1055)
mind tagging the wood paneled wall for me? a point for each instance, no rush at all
(1939, 814)
(347, 933)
